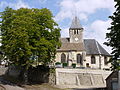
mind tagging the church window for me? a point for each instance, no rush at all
(79, 59)
(105, 60)
(63, 58)
(93, 60)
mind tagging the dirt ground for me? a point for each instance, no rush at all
(41, 87)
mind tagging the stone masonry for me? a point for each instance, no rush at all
(81, 78)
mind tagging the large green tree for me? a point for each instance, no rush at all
(29, 35)
(113, 37)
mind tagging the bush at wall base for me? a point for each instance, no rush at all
(58, 65)
(74, 65)
(65, 65)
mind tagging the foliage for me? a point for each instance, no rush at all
(29, 35)
(57, 63)
(2, 58)
(74, 65)
(65, 64)
(113, 37)
(52, 70)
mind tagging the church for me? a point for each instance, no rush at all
(87, 53)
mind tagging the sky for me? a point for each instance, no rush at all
(93, 14)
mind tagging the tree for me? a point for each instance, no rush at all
(113, 37)
(29, 35)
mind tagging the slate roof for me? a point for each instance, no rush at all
(102, 50)
(65, 40)
(72, 47)
(75, 23)
(67, 46)
(91, 46)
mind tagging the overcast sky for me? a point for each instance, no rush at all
(93, 14)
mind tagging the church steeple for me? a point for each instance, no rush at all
(75, 23)
(76, 31)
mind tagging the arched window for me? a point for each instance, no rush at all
(79, 59)
(105, 60)
(63, 58)
(93, 60)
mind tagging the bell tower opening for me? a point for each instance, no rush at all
(76, 31)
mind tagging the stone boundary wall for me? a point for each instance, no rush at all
(119, 80)
(81, 78)
(3, 70)
(36, 75)
(41, 75)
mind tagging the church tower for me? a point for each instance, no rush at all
(76, 31)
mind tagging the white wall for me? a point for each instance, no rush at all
(88, 60)
(97, 65)
(73, 56)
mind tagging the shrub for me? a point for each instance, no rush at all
(74, 65)
(65, 64)
(57, 63)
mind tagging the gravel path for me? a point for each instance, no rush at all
(10, 87)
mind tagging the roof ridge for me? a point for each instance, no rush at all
(89, 39)
(98, 47)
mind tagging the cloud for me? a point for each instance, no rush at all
(42, 1)
(97, 30)
(65, 32)
(83, 8)
(21, 4)
(17, 5)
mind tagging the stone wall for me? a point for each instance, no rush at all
(52, 78)
(38, 74)
(42, 75)
(119, 80)
(112, 78)
(81, 78)
(13, 71)
(3, 70)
